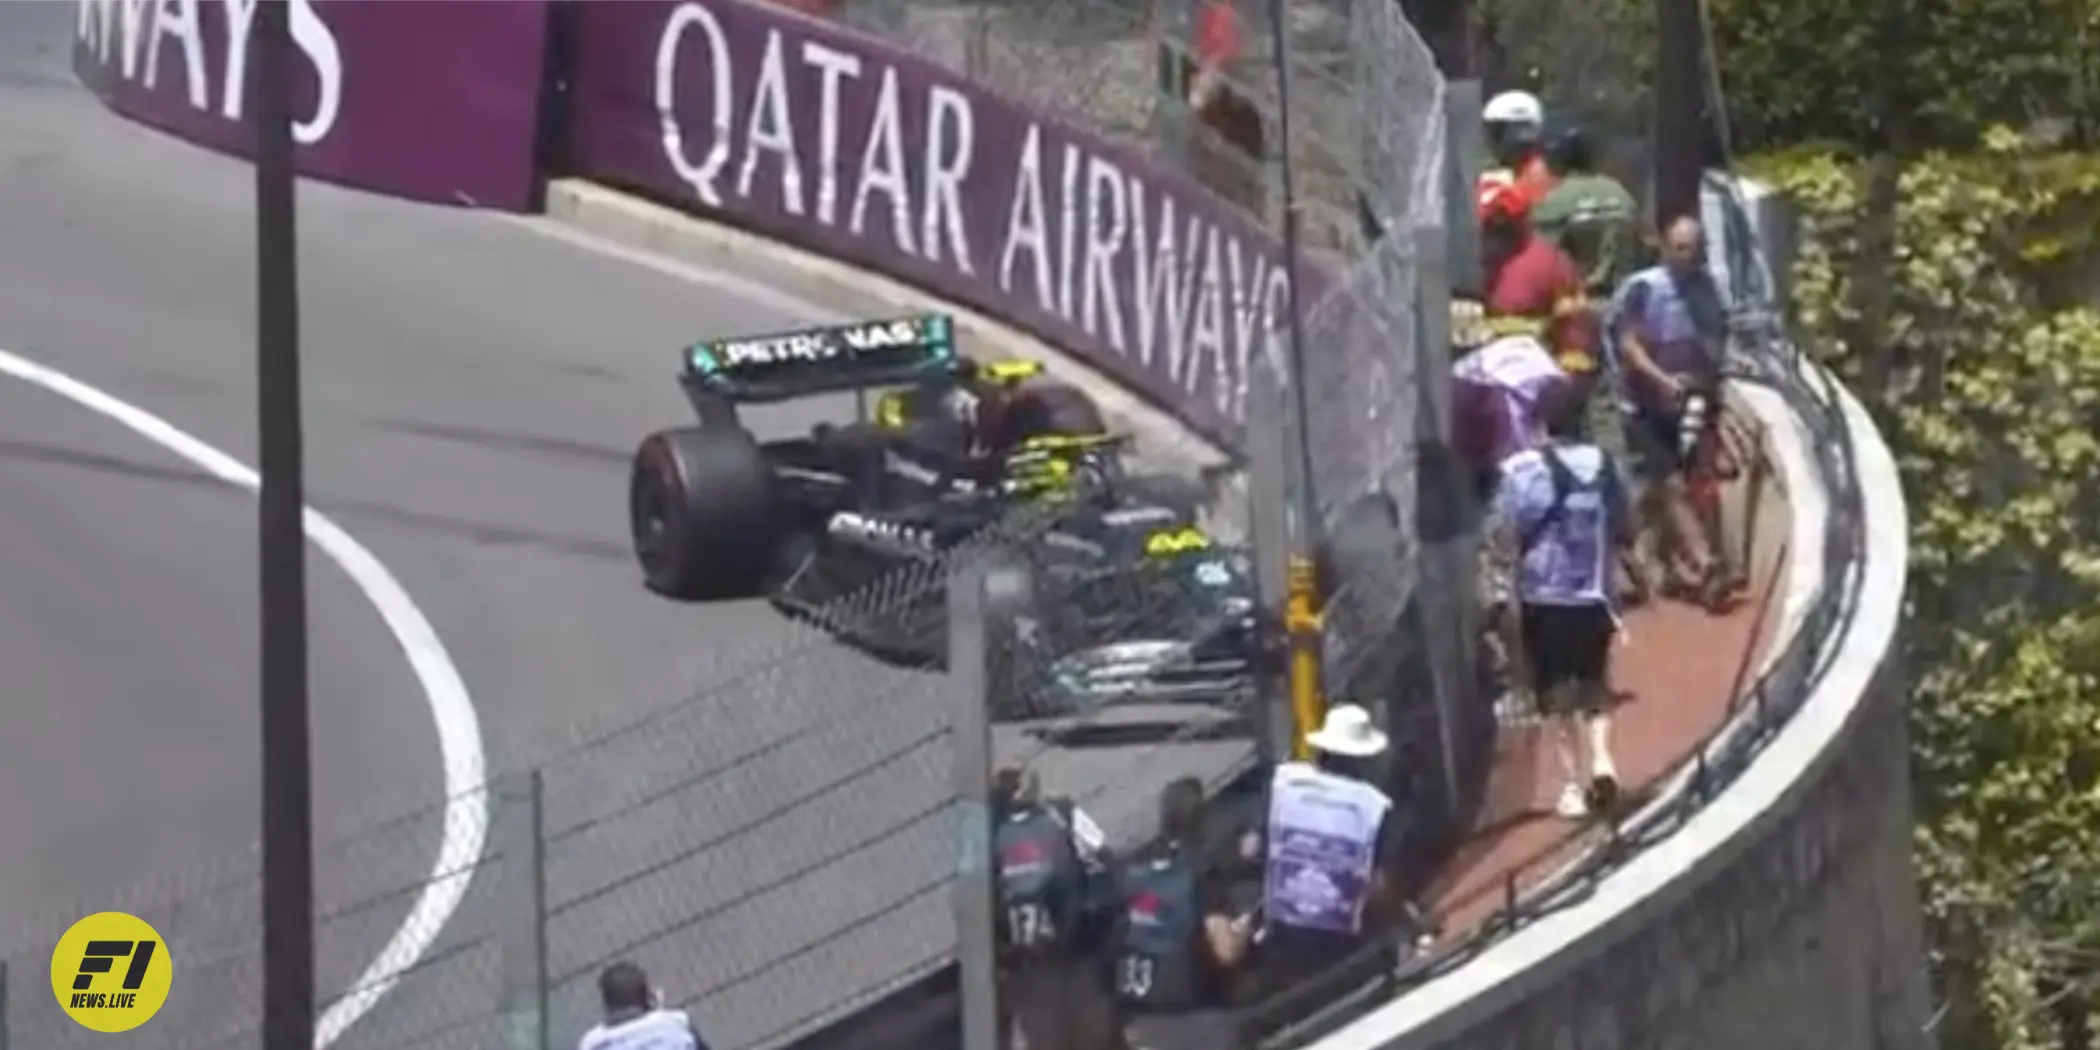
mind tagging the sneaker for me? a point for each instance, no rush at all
(1573, 804)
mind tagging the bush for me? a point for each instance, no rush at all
(1798, 71)
(1973, 346)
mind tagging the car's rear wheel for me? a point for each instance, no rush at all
(700, 512)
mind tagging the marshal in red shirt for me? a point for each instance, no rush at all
(1541, 285)
(1533, 281)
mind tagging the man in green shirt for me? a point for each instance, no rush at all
(1590, 215)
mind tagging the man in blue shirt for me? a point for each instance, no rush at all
(1671, 330)
(1565, 504)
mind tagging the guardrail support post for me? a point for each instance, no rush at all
(970, 642)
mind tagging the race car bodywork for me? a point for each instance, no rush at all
(852, 526)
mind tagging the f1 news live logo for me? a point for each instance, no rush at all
(111, 972)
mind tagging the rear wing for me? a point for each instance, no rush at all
(823, 360)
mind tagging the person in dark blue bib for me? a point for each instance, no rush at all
(1176, 944)
(1046, 855)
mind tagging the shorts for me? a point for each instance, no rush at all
(1569, 650)
(1652, 436)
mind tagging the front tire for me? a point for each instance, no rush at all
(701, 513)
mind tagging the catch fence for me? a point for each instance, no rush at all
(1199, 86)
(777, 850)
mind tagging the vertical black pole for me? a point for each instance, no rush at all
(287, 862)
(1301, 398)
(1680, 111)
(1303, 604)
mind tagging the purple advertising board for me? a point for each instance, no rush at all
(822, 137)
(436, 100)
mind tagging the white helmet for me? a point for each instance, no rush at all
(1514, 107)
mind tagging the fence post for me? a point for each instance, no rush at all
(970, 644)
(521, 873)
(1439, 531)
(1465, 144)
(1268, 526)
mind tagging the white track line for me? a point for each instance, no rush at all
(451, 709)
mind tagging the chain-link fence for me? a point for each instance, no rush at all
(1195, 84)
(778, 850)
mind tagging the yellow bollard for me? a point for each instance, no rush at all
(1301, 621)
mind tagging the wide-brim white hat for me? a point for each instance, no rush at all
(1348, 732)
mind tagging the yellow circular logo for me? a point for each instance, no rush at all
(111, 972)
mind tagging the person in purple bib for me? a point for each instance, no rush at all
(1325, 850)
(1563, 512)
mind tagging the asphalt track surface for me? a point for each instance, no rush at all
(474, 389)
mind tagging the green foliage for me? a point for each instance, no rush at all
(1932, 73)
(1806, 70)
(1991, 403)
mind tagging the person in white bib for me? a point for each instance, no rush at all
(635, 1018)
(1328, 838)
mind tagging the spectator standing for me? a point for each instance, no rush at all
(1229, 145)
(1178, 943)
(1515, 124)
(1048, 857)
(635, 1018)
(1563, 506)
(1533, 288)
(1501, 390)
(1670, 330)
(1329, 836)
(1588, 215)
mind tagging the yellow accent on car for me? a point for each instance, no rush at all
(889, 410)
(1169, 542)
(1011, 370)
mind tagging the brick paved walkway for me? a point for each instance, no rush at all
(1674, 676)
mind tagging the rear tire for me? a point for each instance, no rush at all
(701, 514)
